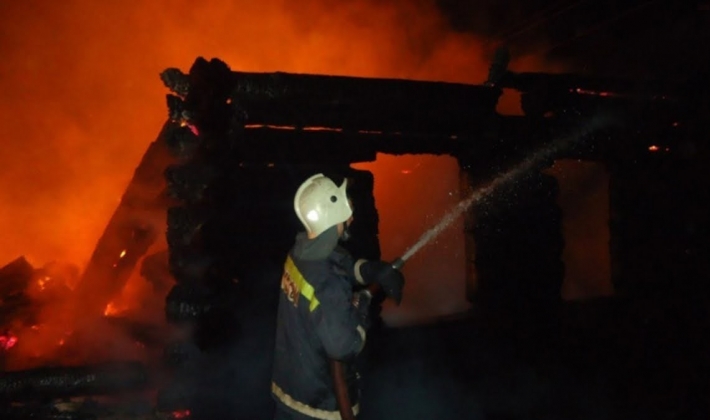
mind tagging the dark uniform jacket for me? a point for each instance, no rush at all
(316, 321)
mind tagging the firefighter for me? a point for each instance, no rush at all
(320, 318)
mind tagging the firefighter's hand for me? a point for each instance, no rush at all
(387, 277)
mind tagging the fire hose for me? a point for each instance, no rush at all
(337, 369)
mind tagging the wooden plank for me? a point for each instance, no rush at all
(288, 145)
(371, 104)
(132, 229)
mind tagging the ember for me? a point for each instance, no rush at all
(181, 414)
(7, 341)
(594, 93)
(110, 309)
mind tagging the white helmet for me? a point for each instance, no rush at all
(320, 204)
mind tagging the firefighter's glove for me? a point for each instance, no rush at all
(387, 277)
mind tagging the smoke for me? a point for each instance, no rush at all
(82, 99)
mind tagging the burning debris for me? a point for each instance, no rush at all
(25, 291)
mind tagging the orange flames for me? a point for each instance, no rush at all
(111, 309)
(82, 98)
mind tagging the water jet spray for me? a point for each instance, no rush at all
(533, 160)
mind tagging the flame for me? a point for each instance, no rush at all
(653, 148)
(108, 90)
(42, 282)
(112, 77)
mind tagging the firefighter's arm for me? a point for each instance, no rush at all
(338, 322)
(363, 272)
(343, 259)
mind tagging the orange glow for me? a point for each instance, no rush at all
(42, 282)
(81, 97)
(653, 148)
(181, 414)
(337, 130)
(123, 254)
(274, 127)
(412, 193)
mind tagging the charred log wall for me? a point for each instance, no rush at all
(659, 227)
(518, 247)
(513, 236)
(245, 141)
(233, 220)
(236, 207)
(659, 192)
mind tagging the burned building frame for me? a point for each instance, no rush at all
(218, 182)
(236, 145)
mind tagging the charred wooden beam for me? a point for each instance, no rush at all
(297, 146)
(354, 103)
(581, 84)
(132, 229)
(57, 382)
(348, 103)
